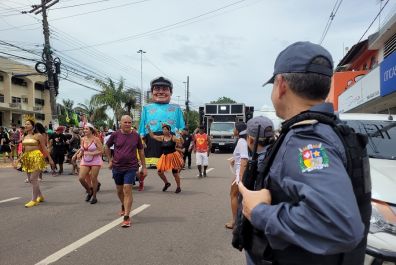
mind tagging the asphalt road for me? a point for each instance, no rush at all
(167, 228)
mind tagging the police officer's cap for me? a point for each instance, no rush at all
(298, 57)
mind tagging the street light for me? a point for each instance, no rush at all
(141, 79)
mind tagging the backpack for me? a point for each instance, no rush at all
(358, 169)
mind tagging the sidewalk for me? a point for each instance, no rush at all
(7, 164)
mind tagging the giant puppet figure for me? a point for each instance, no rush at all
(157, 113)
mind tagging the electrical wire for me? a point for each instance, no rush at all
(331, 18)
(373, 21)
(157, 29)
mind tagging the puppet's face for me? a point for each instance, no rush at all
(161, 94)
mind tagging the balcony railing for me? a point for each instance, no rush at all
(16, 105)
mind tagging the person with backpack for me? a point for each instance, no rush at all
(311, 204)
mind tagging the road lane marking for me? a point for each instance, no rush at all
(10, 199)
(73, 246)
(207, 171)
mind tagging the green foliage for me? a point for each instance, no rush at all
(120, 100)
(192, 119)
(223, 100)
(95, 114)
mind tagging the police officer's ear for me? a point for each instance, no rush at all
(280, 86)
(250, 140)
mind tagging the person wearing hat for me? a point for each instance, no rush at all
(155, 114)
(305, 211)
(239, 161)
(57, 142)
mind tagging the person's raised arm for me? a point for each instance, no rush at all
(152, 135)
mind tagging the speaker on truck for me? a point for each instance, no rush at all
(249, 113)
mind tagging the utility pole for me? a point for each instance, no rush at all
(187, 99)
(47, 54)
(141, 81)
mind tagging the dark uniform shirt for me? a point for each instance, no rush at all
(187, 141)
(310, 167)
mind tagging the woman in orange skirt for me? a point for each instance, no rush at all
(170, 158)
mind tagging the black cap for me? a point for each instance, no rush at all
(241, 128)
(161, 81)
(298, 57)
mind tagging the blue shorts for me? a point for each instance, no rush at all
(124, 177)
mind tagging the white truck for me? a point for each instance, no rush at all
(219, 120)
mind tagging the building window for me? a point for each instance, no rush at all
(25, 100)
(16, 100)
(39, 86)
(40, 116)
(1, 78)
(39, 101)
(1, 98)
(18, 81)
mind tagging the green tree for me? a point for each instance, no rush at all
(94, 113)
(110, 95)
(223, 100)
(66, 112)
(119, 99)
(193, 120)
(129, 100)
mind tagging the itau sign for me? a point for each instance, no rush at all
(388, 75)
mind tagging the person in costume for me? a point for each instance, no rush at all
(91, 161)
(155, 114)
(170, 158)
(32, 159)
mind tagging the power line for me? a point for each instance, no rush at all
(330, 20)
(158, 29)
(83, 4)
(373, 21)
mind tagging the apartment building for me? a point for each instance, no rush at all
(22, 92)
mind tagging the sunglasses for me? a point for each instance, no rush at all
(163, 88)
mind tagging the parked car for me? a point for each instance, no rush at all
(381, 131)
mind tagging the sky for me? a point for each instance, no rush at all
(225, 47)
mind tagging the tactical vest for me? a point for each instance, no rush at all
(358, 169)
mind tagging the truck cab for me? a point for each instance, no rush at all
(219, 121)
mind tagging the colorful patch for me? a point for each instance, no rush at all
(313, 156)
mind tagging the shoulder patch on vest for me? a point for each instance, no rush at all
(302, 123)
(313, 156)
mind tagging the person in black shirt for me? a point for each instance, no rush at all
(186, 145)
(58, 144)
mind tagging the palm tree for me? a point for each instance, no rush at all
(94, 113)
(111, 96)
(130, 100)
(119, 99)
(68, 104)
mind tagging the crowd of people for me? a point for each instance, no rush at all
(295, 199)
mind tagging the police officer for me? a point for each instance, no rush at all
(308, 214)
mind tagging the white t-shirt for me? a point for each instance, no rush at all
(106, 138)
(240, 152)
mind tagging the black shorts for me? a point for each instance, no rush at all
(5, 148)
(58, 158)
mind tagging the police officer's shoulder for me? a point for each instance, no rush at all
(304, 126)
